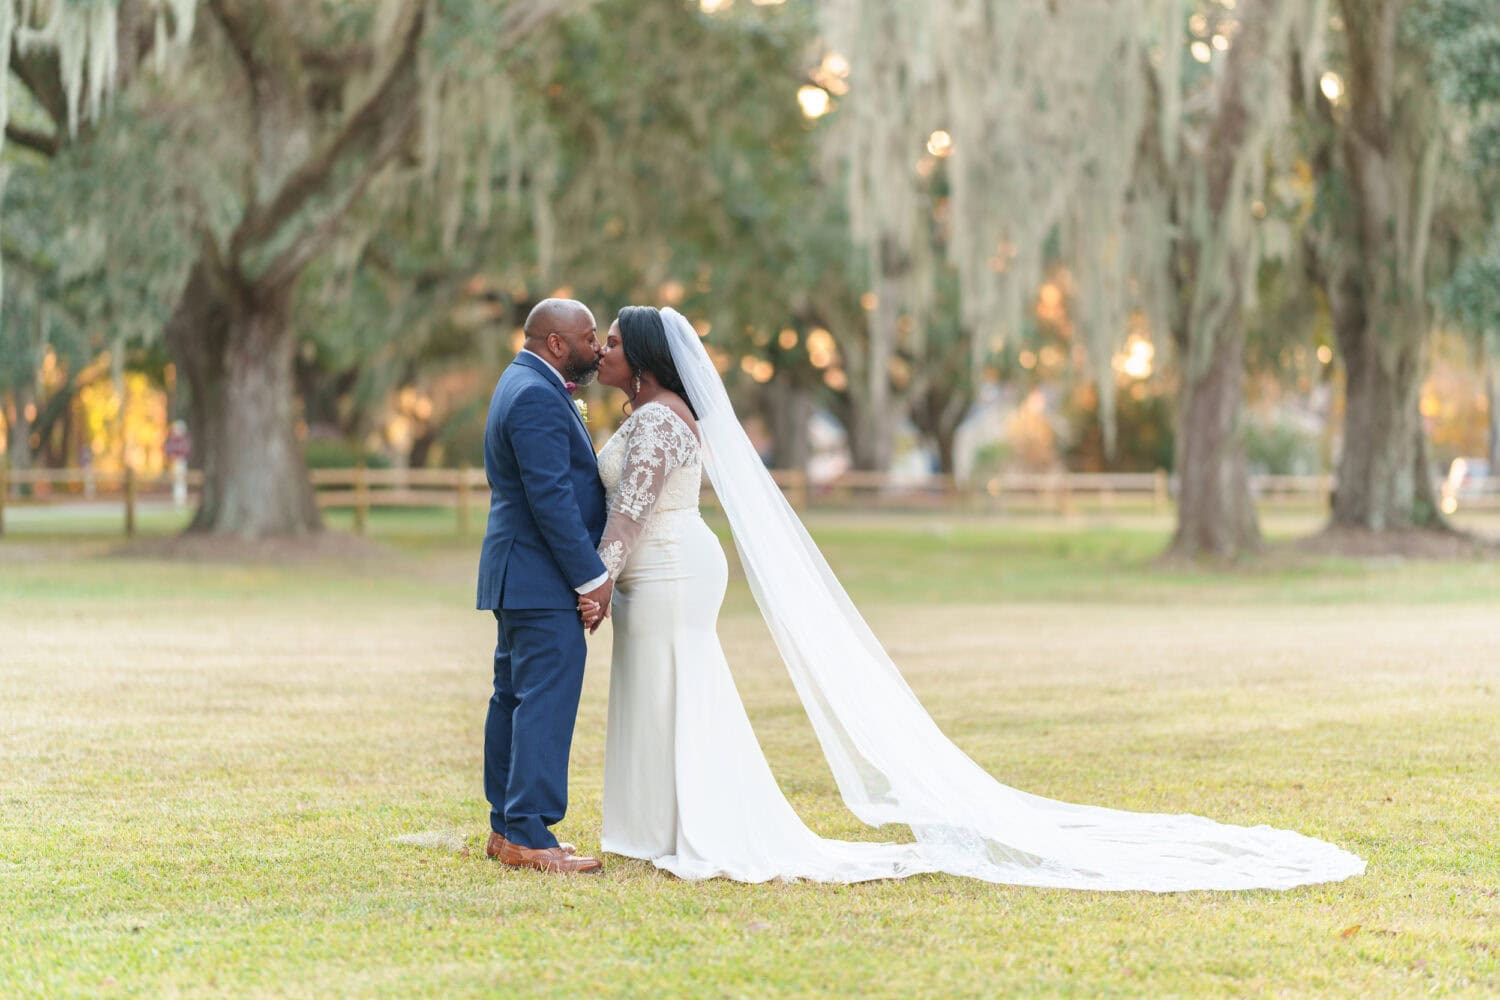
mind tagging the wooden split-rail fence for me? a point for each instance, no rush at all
(466, 493)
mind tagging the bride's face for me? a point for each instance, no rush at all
(614, 370)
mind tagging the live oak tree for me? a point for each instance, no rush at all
(1465, 35)
(1378, 168)
(1204, 168)
(87, 261)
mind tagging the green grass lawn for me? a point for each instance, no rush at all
(205, 767)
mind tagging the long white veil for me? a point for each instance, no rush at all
(893, 764)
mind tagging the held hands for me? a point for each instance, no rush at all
(593, 607)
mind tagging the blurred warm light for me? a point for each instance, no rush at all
(925, 166)
(768, 3)
(671, 291)
(788, 339)
(1430, 406)
(702, 326)
(832, 74)
(720, 359)
(561, 292)
(900, 371)
(517, 341)
(1456, 473)
(398, 433)
(714, 6)
(1050, 356)
(820, 347)
(1136, 359)
(1325, 354)
(1027, 359)
(30, 412)
(1049, 304)
(1221, 43)
(747, 363)
(835, 379)
(1336, 23)
(1198, 25)
(940, 143)
(869, 301)
(1332, 86)
(1201, 51)
(814, 100)
(1258, 209)
(763, 371)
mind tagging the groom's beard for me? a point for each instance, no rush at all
(581, 371)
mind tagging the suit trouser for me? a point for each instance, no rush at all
(528, 732)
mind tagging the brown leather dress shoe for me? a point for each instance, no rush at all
(549, 859)
(493, 847)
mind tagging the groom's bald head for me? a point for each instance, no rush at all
(555, 316)
(563, 332)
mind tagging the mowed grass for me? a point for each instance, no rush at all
(204, 770)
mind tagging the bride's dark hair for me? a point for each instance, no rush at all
(644, 338)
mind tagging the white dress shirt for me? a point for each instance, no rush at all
(597, 581)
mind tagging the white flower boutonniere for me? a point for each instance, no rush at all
(583, 409)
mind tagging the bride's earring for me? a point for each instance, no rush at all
(635, 390)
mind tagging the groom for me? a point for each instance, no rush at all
(546, 515)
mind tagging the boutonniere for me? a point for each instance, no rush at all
(583, 409)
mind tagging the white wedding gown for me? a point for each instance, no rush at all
(686, 785)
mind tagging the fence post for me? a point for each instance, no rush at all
(4, 490)
(796, 488)
(129, 501)
(361, 498)
(463, 500)
(1159, 492)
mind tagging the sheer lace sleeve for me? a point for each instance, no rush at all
(658, 444)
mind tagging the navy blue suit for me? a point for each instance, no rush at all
(547, 512)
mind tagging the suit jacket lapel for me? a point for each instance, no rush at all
(546, 371)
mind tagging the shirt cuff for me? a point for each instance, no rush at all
(593, 584)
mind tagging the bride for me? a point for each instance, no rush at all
(686, 785)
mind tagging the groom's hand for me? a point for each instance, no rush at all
(593, 607)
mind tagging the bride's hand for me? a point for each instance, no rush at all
(590, 612)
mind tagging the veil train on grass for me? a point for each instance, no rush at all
(892, 762)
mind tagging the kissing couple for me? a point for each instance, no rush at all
(574, 538)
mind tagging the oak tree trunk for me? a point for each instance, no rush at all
(235, 355)
(791, 406)
(18, 447)
(1215, 509)
(1372, 267)
(1383, 479)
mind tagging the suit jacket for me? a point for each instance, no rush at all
(547, 507)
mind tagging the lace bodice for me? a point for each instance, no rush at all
(651, 466)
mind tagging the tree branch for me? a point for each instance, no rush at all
(37, 141)
(373, 134)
